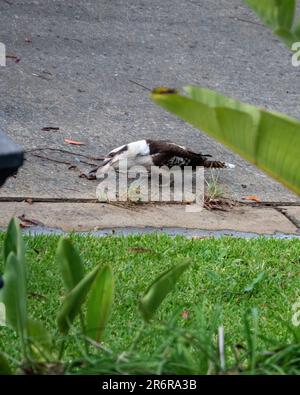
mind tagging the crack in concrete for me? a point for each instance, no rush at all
(12, 199)
(291, 218)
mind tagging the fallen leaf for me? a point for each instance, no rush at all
(50, 128)
(254, 198)
(29, 201)
(14, 57)
(26, 222)
(68, 141)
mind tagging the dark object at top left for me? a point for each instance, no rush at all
(11, 157)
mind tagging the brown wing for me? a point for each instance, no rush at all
(172, 149)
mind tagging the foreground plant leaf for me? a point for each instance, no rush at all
(13, 284)
(70, 263)
(13, 295)
(99, 303)
(278, 15)
(14, 243)
(40, 341)
(73, 301)
(159, 289)
(4, 365)
(269, 140)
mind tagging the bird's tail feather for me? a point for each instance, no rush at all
(213, 164)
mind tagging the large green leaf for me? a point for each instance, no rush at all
(70, 263)
(159, 289)
(99, 303)
(13, 295)
(269, 140)
(266, 10)
(73, 301)
(278, 15)
(274, 13)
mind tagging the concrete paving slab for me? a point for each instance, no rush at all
(293, 213)
(96, 216)
(78, 61)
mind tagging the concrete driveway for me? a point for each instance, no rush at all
(81, 67)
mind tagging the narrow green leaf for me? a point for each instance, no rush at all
(70, 263)
(13, 295)
(11, 237)
(159, 289)
(251, 335)
(74, 300)
(99, 303)
(4, 365)
(270, 140)
(40, 341)
(13, 242)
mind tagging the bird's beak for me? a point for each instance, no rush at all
(105, 162)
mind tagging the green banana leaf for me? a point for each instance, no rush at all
(73, 301)
(99, 303)
(70, 264)
(269, 140)
(159, 289)
(279, 16)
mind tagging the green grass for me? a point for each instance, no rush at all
(235, 274)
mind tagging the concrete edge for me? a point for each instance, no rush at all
(93, 217)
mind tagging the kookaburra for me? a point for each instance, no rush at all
(158, 153)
